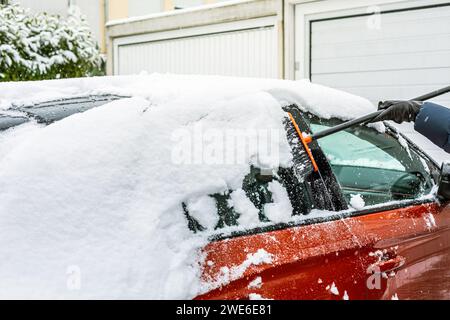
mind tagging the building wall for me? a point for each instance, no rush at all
(230, 39)
(93, 11)
(53, 7)
(139, 7)
(187, 3)
(242, 48)
(117, 9)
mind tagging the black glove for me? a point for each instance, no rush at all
(399, 111)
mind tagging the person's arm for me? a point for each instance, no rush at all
(433, 121)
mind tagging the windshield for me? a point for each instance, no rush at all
(374, 165)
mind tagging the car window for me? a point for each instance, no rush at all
(51, 111)
(377, 166)
(8, 121)
(263, 198)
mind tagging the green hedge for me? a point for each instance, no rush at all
(42, 46)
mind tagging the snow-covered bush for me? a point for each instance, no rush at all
(42, 46)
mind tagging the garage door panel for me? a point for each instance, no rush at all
(407, 57)
(419, 60)
(400, 17)
(439, 42)
(251, 53)
(393, 93)
(396, 31)
(419, 78)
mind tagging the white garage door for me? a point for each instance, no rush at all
(246, 49)
(401, 56)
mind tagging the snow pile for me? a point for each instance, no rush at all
(158, 89)
(227, 275)
(256, 283)
(281, 209)
(345, 297)
(247, 210)
(90, 206)
(257, 296)
(200, 209)
(333, 289)
(357, 202)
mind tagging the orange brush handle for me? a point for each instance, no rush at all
(305, 141)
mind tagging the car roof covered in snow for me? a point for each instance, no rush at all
(158, 89)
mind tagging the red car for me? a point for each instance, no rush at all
(372, 223)
(393, 242)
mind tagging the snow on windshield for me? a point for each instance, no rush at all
(90, 206)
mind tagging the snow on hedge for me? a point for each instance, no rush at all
(42, 46)
(90, 206)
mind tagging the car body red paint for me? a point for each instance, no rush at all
(401, 253)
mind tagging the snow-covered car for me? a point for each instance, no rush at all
(199, 187)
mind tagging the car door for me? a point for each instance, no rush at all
(382, 250)
(404, 229)
(276, 259)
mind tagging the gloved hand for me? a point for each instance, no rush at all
(399, 111)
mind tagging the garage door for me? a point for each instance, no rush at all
(403, 56)
(246, 49)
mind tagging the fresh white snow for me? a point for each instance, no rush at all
(201, 208)
(256, 296)
(345, 297)
(248, 213)
(158, 89)
(333, 289)
(260, 257)
(27, 38)
(95, 199)
(280, 210)
(256, 283)
(357, 202)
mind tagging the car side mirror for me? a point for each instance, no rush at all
(444, 182)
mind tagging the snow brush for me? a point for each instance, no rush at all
(307, 139)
